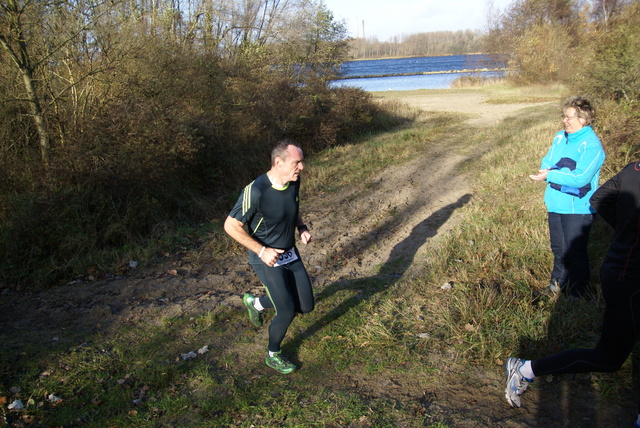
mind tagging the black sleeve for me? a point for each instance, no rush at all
(605, 199)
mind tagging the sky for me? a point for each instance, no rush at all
(385, 19)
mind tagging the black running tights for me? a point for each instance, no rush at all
(620, 329)
(289, 292)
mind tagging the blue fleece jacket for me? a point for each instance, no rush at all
(582, 147)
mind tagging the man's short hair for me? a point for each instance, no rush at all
(280, 149)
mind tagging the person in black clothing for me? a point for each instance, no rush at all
(618, 203)
(269, 209)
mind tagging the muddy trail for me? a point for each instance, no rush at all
(429, 187)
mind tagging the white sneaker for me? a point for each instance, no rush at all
(516, 383)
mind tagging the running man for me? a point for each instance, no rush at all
(269, 208)
(618, 203)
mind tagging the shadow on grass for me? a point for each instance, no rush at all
(594, 399)
(399, 260)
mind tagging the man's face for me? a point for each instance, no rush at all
(291, 166)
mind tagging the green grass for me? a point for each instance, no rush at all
(337, 168)
(363, 334)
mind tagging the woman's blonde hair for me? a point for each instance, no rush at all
(583, 107)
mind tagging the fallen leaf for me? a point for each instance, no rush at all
(53, 399)
(28, 419)
(447, 286)
(188, 356)
(16, 405)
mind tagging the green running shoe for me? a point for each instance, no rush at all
(280, 364)
(254, 314)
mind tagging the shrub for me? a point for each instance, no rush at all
(610, 73)
(541, 54)
(170, 139)
(611, 69)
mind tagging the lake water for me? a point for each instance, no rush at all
(404, 74)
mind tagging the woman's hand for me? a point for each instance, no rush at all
(540, 176)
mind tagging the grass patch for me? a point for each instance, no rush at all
(503, 93)
(337, 168)
(365, 338)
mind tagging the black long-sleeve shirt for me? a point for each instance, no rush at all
(270, 213)
(617, 201)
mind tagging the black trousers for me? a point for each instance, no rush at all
(620, 332)
(288, 291)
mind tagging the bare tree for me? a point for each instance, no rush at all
(603, 10)
(52, 46)
(15, 41)
(228, 26)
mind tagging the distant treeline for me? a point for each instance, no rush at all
(590, 46)
(420, 44)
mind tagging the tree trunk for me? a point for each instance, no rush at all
(36, 114)
(22, 59)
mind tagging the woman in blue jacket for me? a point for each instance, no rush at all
(571, 169)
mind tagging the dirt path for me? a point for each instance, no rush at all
(430, 187)
(415, 191)
(472, 103)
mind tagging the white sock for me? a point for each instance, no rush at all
(526, 370)
(273, 354)
(257, 305)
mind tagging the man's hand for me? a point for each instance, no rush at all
(235, 229)
(305, 236)
(270, 256)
